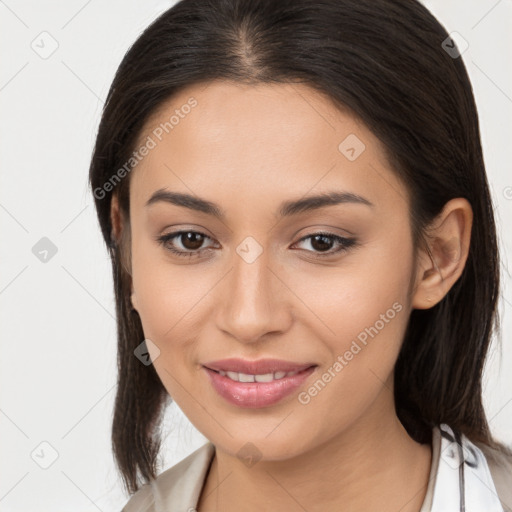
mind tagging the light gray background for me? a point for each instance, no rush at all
(58, 370)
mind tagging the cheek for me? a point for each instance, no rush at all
(164, 298)
(360, 313)
(171, 302)
(364, 334)
(366, 292)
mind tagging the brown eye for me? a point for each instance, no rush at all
(323, 243)
(184, 243)
(191, 240)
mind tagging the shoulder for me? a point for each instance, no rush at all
(500, 466)
(177, 488)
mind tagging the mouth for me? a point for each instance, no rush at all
(249, 377)
(261, 383)
(258, 367)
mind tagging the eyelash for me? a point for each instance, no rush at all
(344, 243)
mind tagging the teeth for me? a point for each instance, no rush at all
(244, 377)
(267, 377)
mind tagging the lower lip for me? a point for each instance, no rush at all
(256, 394)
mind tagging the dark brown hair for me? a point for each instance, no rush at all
(384, 60)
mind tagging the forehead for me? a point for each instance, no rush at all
(261, 140)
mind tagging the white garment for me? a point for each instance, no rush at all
(463, 481)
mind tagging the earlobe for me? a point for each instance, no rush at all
(442, 259)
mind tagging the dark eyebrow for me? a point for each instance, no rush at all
(319, 201)
(287, 208)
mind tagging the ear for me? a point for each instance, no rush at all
(443, 255)
(116, 220)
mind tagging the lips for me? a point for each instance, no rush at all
(255, 384)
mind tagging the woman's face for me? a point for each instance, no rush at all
(255, 282)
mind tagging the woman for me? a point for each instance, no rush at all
(305, 259)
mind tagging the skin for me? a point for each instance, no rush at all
(247, 149)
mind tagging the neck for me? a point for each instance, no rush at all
(372, 465)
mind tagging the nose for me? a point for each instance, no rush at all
(254, 301)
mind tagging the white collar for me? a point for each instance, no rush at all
(463, 480)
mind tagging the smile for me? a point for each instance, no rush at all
(266, 377)
(256, 390)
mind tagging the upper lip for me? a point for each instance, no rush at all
(258, 367)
